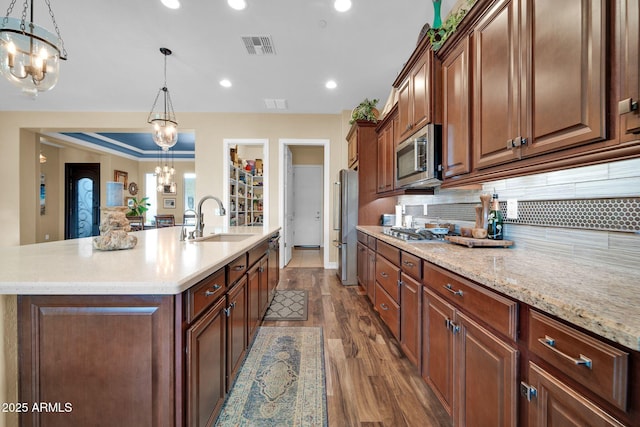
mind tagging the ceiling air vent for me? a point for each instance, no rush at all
(275, 104)
(259, 45)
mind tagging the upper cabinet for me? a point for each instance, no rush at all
(386, 154)
(629, 41)
(539, 81)
(415, 86)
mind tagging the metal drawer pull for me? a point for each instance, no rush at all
(408, 263)
(238, 267)
(215, 287)
(384, 306)
(383, 274)
(453, 291)
(550, 343)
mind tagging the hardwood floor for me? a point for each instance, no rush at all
(369, 381)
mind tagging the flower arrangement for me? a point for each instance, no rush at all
(366, 110)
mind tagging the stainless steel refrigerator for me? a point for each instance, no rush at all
(345, 219)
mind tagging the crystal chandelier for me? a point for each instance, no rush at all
(165, 174)
(30, 55)
(165, 126)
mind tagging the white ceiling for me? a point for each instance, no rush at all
(115, 65)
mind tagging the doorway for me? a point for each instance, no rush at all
(307, 206)
(82, 200)
(286, 206)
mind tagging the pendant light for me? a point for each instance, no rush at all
(29, 54)
(165, 125)
(165, 174)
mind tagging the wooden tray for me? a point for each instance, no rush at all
(471, 242)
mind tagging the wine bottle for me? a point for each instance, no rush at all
(494, 221)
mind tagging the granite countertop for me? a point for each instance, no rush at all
(159, 264)
(599, 298)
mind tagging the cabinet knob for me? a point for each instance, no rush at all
(627, 105)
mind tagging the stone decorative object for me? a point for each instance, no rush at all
(114, 228)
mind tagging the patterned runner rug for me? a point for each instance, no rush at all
(282, 381)
(288, 305)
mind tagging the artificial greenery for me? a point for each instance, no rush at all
(438, 36)
(366, 110)
(138, 207)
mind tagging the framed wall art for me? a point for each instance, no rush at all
(169, 203)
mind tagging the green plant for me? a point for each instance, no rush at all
(437, 36)
(366, 110)
(138, 207)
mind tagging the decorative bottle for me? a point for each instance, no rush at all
(494, 221)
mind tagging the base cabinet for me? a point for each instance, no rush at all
(237, 329)
(556, 404)
(206, 356)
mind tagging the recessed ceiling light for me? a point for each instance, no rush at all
(237, 4)
(171, 4)
(342, 5)
(225, 83)
(331, 84)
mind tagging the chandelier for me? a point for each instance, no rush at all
(165, 126)
(30, 55)
(165, 174)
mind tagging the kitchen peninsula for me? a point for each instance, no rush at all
(148, 336)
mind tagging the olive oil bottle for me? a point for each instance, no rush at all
(494, 221)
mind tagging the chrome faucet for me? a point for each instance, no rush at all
(183, 231)
(200, 217)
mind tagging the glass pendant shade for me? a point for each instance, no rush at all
(29, 55)
(163, 122)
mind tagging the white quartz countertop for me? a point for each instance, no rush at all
(159, 264)
(599, 298)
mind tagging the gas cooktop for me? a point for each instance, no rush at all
(411, 234)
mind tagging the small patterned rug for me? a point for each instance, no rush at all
(282, 381)
(288, 305)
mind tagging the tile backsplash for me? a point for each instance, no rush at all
(591, 212)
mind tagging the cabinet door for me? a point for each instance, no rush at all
(421, 91)
(206, 365)
(237, 322)
(629, 46)
(362, 269)
(456, 131)
(437, 350)
(566, 90)
(353, 148)
(496, 105)
(410, 330)
(556, 404)
(253, 303)
(385, 158)
(486, 388)
(371, 274)
(405, 110)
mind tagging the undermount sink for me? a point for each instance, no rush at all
(223, 237)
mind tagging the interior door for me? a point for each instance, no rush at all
(82, 200)
(307, 191)
(288, 206)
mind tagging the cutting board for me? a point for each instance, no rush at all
(471, 242)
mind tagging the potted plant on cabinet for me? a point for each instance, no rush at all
(366, 110)
(138, 207)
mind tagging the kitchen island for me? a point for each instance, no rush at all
(147, 336)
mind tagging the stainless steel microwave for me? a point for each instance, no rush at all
(419, 159)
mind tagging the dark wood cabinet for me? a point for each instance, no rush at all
(437, 346)
(456, 110)
(415, 96)
(72, 346)
(352, 150)
(385, 161)
(371, 274)
(556, 404)
(362, 271)
(237, 328)
(253, 300)
(628, 26)
(263, 269)
(206, 366)
(410, 327)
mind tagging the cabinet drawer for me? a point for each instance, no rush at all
(256, 253)
(362, 237)
(388, 310)
(204, 294)
(387, 276)
(411, 264)
(496, 311)
(389, 252)
(371, 242)
(596, 365)
(236, 268)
